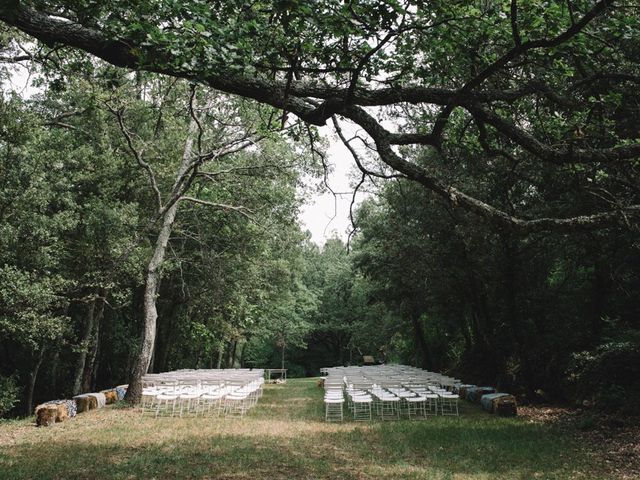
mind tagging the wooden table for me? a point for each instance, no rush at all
(281, 371)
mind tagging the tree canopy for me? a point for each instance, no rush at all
(529, 83)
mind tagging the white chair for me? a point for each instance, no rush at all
(189, 397)
(416, 406)
(431, 404)
(163, 401)
(333, 409)
(361, 407)
(236, 403)
(449, 403)
(211, 403)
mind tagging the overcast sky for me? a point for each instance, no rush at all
(326, 215)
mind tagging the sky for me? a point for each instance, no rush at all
(326, 215)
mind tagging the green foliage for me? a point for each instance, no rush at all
(9, 394)
(77, 223)
(606, 376)
(29, 304)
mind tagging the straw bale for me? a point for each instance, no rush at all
(85, 402)
(101, 400)
(61, 412)
(46, 414)
(121, 391)
(504, 399)
(464, 390)
(111, 396)
(71, 407)
(506, 406)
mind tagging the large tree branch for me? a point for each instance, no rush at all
(555, 154)
(153, 184)
(298, 98)
(458, 198)
(223, 206)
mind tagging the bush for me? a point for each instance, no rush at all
(608, 376)
(9, 394)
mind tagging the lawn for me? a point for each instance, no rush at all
(285, 437)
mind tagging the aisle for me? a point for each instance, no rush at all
(298, 399)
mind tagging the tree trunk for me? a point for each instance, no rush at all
(282, 357)
(418, 332)
(238, 354)
(85, 340)
(599, 296)
(150, 312)
(220, 354)
(32, 381)
(232, 353)
(91, 365)
(55, 363)
(166, 334)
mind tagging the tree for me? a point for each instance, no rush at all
(533, 79)
(79, 223)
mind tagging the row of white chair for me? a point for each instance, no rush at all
(363, 399)
(178, 399)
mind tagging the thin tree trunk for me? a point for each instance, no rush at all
(150, 311)
(32, 381)
(91, 365)
(238, 354)
(85, 341)
(55, 363)
(232, 353)
(282, 357)
(165, 335)
(220, 354)
(426, 358)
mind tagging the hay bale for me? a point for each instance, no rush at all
(71, 408)
(68, 405)
(46, 414)
(506, 406)
(121, 391)
(110, 395)
(462, 390)
(85, 402)
(475, 394)
(487, 401)
(61, 412)
(101, 400)
(82, 403)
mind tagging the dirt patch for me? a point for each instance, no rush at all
(613, 439)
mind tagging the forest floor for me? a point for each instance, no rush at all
(285, 437)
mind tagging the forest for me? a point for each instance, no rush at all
(152, 176)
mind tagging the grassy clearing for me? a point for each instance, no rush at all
(285, 437)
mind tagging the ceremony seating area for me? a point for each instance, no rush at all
(387, 392)
(202, 393)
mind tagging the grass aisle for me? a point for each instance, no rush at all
(285, 437)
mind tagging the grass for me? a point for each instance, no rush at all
(285, 437)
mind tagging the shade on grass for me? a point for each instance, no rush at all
(285, 437)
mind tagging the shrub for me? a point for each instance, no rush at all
(9, 394)
(608, 375)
